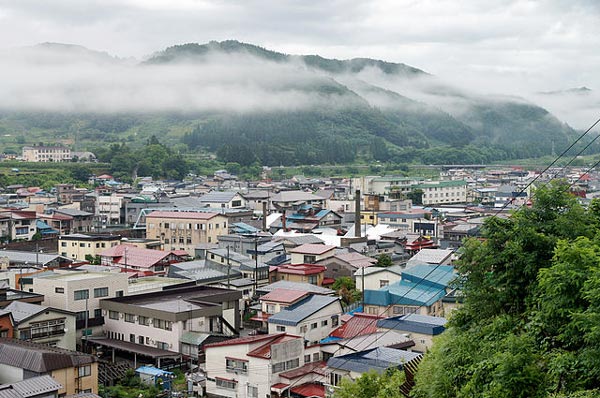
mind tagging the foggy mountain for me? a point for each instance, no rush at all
(231, 97)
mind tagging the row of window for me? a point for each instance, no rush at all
(142, 320)
(196, 227)
(85, 293)
(83, 244)
(43, 329)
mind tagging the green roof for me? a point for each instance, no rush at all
(441, 184)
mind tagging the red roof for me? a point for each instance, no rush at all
(260, 317)
(310, 390)
(284, 296)
(264, 351)
(312, 248)
(360, 324)
(56, 216)
(244, 340)
(184, 215)
(130, 255)
(280, 386)
(301, 269)
(327, 281)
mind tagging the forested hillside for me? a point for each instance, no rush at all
(250, 105)
(529, 324)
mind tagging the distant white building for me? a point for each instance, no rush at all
(46, 154)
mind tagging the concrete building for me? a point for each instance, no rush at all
(185, 230)
(108, 209)
(443, 192)
(78, 246)
(162, 319)
(46, 154)
(80, 292)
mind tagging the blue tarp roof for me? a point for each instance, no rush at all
(151, 370)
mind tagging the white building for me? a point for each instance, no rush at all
(80, 292)
(257, 366)
(443, 192)
(108, 209)
(313, 318)
(46, 154)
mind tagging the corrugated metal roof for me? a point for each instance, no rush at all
(301, 310)
(36, 386)
(39, 358)
(21, 310)
(217, 197)
(358, 325)
(379, 359)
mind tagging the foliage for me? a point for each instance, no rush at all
(528, 327)
(94, 260)
(130, 387)
(384, 260)
(346, 288)
(372, 385)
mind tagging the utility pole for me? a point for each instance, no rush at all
(228, 267)
(255, 263)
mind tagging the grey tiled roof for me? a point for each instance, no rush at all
(303, 309)
(217, 197)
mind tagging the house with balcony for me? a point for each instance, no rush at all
(263, 365)
(42, 324)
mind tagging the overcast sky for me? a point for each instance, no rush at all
(506, 46)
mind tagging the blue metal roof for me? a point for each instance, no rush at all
(379, 359)
(151, 370)
(405, 293)
(301, 310)
(425, 324)
(430, 274)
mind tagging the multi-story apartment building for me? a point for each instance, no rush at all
(108, 209)
(46, 154)
(78, 246)
(185, 230)
(443, 192)
(80, 292)
(166, 319)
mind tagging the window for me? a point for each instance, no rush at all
(113, 314)
(303, 328)
(287, 365)
(85, 370)
(59, 290)
(143, 320)
(101, 292)
(280, 328)
(48, 328)
(224, 383)
(334, 321)
(162, 324)
(252, 391)
(316, 357)
(312, 279)
(383, 282)
(81, 294)
(97, 313)
(313, 325)
(162, 345)
(63, 244)
(119, 293)
(81, 244)
(25, 334)
(141, 340)
(307, 358)
(236, 365)
(324, 323)
(131, 338)
(81, 315)
(310, 259)
(129, 318)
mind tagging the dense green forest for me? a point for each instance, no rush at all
(529, 324)
(334, 114)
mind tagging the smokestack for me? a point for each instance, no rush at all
(283, 226)
(264, 220)
(357, 231)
